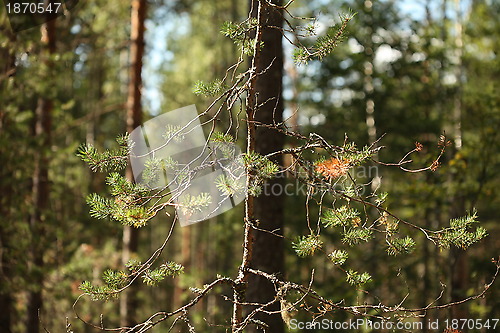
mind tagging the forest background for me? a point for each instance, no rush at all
(408, 70)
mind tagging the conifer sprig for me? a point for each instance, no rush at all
(209, 89)
(400, 245)
(108, 160)
(240, 34)
(460, 233)
(338, 257)
(307, 245)
(324, 45)
(114, 281)
(260, 168)
(355, 236)
(155, 276)
(356, 279)
(343, 216)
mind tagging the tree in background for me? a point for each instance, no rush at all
(75, 86)
(133, 120)
(10, 160)
(41, 190)
(268, 253)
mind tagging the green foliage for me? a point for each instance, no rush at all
(301, 56)
(228, 185)
(126, 209)
(97, 293)
(324, 45)
(237, 30)
(355, 157)
(262, 167)
(156, 167)
(224, 143)
(100, 207)
(133, 265)
(120, 185)
(155, 276)
(109, 160)
(356, 235)
(222, 137)
(338, 257)
(349, 190)
(195, 203)
(356, 279)
(173, 132)
(400, 245)
(254, 190)
(307, 245)
(239, 33)
(209, 89)
(114, 280)
(381, 198)
(458, 233)
(342, 216)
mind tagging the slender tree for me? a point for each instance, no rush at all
(128, 304)
(268, 254)
(7, 69)
(41, 190)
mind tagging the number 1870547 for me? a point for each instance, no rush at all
(460, 324)
(33, 8)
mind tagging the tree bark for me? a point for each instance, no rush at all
(128, 301)
(40, 187)
(268, 207)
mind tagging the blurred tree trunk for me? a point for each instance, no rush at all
(6, 301)
(185, 259)
(368, 77)
(459, 259)
(128, 302)
(268, 249)
(7, 68)
(293, 120)
(40, 185)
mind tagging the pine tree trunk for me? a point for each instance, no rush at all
(128, 301)
(40, 188)
(185, 259)
(268, 207)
